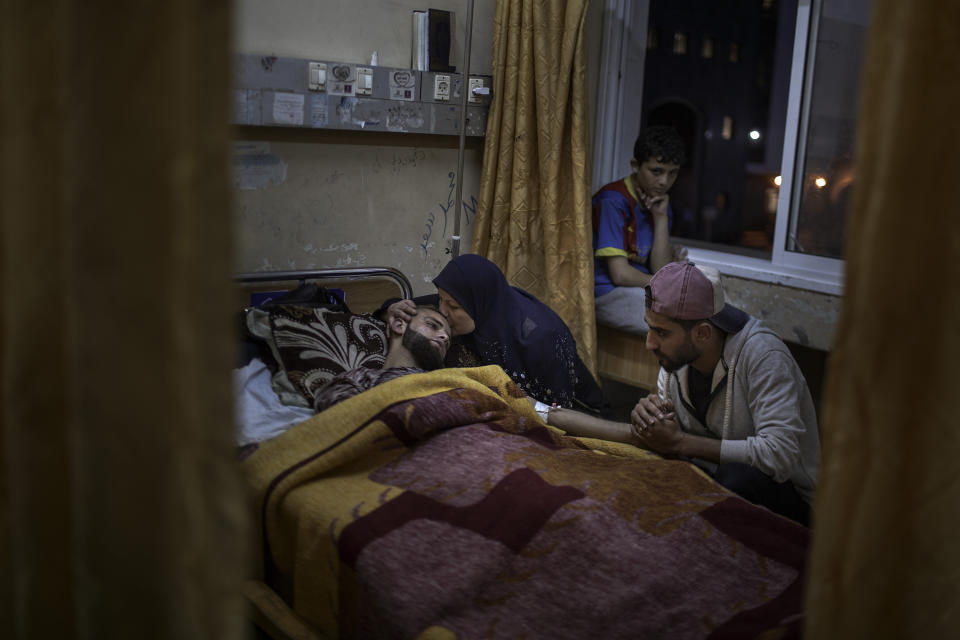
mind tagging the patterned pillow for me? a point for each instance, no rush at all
(314, 344)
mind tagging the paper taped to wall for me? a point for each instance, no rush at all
(288, 108)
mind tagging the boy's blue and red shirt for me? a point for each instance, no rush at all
(621, 227)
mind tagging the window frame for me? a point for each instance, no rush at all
(789, 268)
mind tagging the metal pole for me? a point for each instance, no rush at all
(464, 97)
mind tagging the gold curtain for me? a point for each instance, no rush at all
(121, 505)
(533, 214)
(885, 560)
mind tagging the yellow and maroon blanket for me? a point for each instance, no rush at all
(440, 505)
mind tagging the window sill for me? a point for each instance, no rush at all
(822, 281)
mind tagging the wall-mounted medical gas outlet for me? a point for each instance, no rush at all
(272, 91)
(364, 81)
(317, 76)
(441, 87)
(479, 95)
(477, 90)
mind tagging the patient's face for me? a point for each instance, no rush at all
(427, 338)
(460, 320)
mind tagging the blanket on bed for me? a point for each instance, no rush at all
(440, 505)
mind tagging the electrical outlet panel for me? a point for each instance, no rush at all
(276, 91)
(364, 81)
(441, 87)
(477, 89)
(317, 76)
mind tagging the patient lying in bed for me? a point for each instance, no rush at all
(419, 345)
(260, 410)
(416, 346)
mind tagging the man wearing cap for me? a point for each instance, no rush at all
(730, 395)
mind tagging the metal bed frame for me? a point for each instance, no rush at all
(333, 273)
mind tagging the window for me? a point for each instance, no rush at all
(679, 43)
(653, 38)
(826, 154)
(770, 142)
(726, 129)
(706, 50)
(734, 52)
(763, 71)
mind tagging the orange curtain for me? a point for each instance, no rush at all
(533, 215)
(885, 560)
(122, 510)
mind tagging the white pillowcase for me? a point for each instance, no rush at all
(258, 413)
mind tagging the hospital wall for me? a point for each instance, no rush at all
(306, 198)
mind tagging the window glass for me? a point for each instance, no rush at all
(679, 43)
(653, 38)
(726, 129)
(828, 167)
(734, 52)
(707, 49)
(730, 116)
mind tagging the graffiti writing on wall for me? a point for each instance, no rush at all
(444, 209)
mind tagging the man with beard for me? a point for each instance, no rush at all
(730, 396)
(417, 345)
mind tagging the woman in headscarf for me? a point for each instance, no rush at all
(507, 326)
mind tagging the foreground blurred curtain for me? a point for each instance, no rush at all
(121, 509)
(533, 214)
(886, 553)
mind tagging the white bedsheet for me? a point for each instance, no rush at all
(258, 413)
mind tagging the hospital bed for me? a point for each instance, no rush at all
(439, 505)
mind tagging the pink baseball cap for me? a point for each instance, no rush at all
(688, 291)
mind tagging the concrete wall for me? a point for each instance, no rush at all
(351, 30)
(806, 318)
(332, 203)
(308, 199)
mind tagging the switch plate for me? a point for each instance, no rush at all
(364, 81)
(441, 87)
(317, 76)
